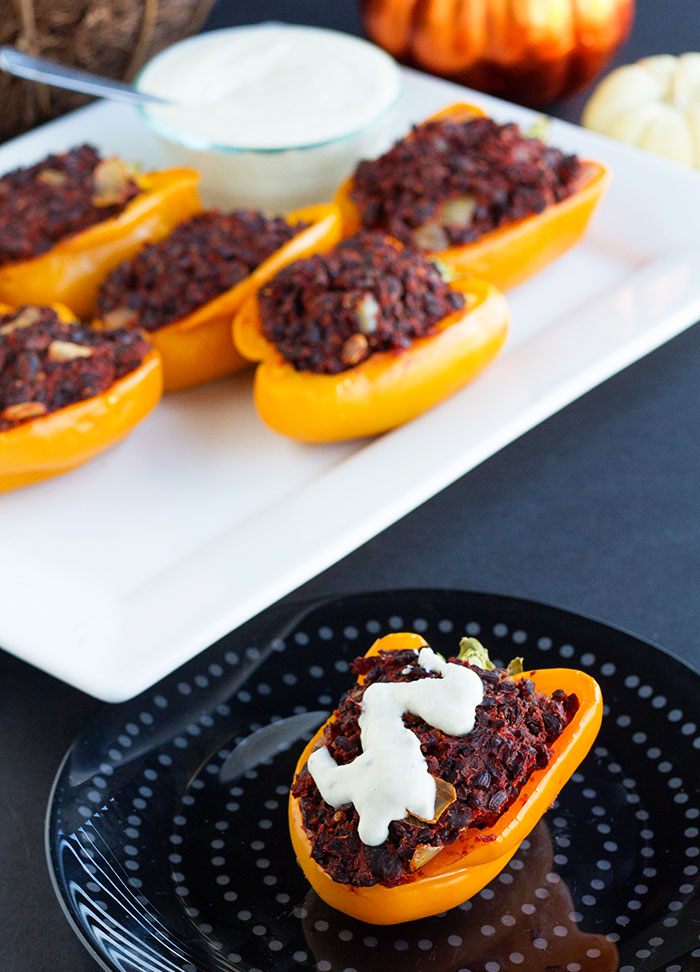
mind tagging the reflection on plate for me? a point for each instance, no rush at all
(479, 931)
(167, 834)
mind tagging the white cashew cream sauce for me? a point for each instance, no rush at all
(271, 86)
(390, 777)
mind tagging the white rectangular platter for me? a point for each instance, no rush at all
(116, 573)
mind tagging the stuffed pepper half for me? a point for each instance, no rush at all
(67, 392)
(364, 338)
(185, 289)
(420, 787)
(482, 197)
(68, 220)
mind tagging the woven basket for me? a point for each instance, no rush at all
(109, 37)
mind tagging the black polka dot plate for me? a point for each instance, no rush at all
(167, 828)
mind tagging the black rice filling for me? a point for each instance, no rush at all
(330, 312)
(42, 204)
(203, 258)
(47, 364)
(508, 176)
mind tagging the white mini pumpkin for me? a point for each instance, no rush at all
(654, 104)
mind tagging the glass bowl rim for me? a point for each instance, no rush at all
(200, 143)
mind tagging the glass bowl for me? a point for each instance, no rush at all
(303, 105)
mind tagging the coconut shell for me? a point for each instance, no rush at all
(113, 38)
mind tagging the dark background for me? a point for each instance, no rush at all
(596, 510)
(661, 27)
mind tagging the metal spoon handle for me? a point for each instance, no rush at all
(40, 69)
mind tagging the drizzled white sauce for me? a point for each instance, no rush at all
(390, 777)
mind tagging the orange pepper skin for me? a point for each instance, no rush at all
(72, 271)
(55, 443)
(385, 390)
(515, 252)
(193, 356)
(464, 867)
(199, 347)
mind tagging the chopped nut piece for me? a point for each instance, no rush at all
(355, 349)
(67, 351)
(52, 177)
(445, 796)
(24, 318)
(430, 237)
(112, 179)
(368, 313)
(120, 317)
(22, 411)
(422, 854)
(456, 214)
(459, 211)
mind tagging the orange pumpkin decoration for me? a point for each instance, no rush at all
(529, 51)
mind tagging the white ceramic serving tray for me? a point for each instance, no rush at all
(115, 574)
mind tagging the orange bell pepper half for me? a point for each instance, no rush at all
(464, 867)
(386, 389)
(199, 347)
(71, 272)
(59, 441)
(512, 253)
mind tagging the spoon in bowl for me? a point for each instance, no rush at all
(59, 76)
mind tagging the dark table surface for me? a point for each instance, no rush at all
(596, 510)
